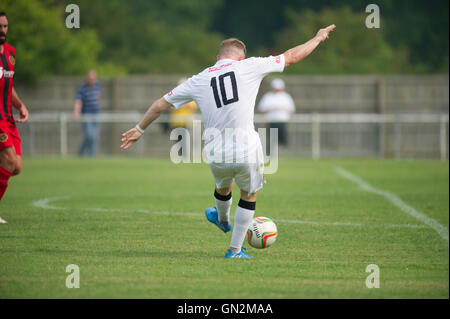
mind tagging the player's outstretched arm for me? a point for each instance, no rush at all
(155, 110)
(300, 52)
(18, 104)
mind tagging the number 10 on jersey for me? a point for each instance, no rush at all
(223, 93)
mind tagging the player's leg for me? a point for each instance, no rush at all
(250, 179)
(223, 199)
(242, 220)
(10, 164)
(10, 155)
(17, 146)
(18, 166)
(220, 214)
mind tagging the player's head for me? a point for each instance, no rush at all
(3, 27)
(232, 49)
(91, 77)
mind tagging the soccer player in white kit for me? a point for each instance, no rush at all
(225, 94)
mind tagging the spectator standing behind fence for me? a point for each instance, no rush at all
(277, 105)
(87, 104)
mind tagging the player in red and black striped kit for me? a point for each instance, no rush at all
(10, 143)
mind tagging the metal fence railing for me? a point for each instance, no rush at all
(309, 135)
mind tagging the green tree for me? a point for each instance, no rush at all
(415, 26)
(44, 46)
(423, 27)
(153, 36)
(182, 36)
(352, 48)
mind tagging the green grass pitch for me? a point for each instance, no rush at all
(136, 229)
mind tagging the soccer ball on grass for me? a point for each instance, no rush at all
(262, 232)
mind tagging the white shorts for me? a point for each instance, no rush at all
(248, 175)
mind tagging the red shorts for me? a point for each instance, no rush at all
(9, 136)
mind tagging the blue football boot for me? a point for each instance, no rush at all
(213, 217)
(241, 254)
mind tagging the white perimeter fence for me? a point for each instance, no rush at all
(309, 135)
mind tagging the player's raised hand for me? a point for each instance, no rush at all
(322, 34)
(130, 137)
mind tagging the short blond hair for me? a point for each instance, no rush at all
(231, 47)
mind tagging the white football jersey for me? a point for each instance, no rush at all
(225, 94)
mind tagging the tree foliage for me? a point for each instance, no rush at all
(352, 48)
(417, 28)
(153, 36)
(182, 36)
(44, 46)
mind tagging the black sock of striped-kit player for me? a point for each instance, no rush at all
(242, 220)
(223, 205)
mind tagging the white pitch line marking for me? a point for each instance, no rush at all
(290, 221)
(45, 204)
(395, 200)
(143, 211)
